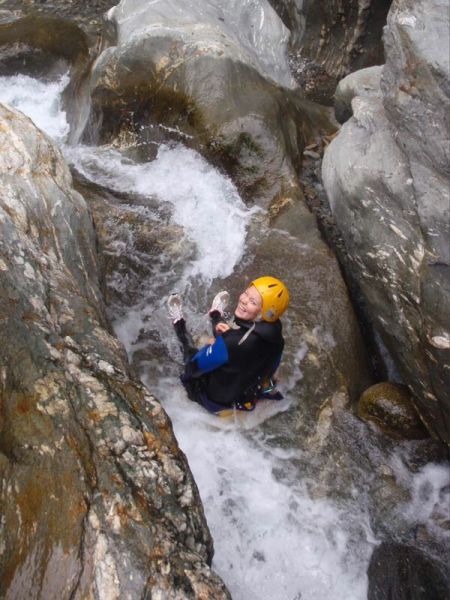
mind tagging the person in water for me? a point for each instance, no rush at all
(234, 369)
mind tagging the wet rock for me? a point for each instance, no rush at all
(218, 85)
(36, 45)
(143, 259)
(365, 82)
(405, 573)
(330, 40)
(97, 499)
(386, 175)
(391, 408)
(134, 245)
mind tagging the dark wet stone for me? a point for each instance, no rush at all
(88, 15)
(43, 35)
(399, 572)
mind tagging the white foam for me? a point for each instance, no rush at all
(204, 202)
(272, 541)
(38, 100)
(430, 501)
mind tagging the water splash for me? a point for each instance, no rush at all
(40, 101)
(272, 540)
(204, 202)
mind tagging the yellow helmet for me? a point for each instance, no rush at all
(275, 297)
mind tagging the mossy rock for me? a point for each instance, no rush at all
(391, 408)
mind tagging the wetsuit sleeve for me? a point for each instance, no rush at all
(211, 356)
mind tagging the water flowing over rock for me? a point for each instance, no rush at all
(331, 39)
(97, 499)
(45, 46)
(218, 79)
(233, 110)
(192, 75)
(386, 175)
(297, 492)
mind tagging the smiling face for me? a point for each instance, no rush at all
(249, 304)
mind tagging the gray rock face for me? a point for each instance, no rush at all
(386, 176)
(331, 39)
(97, 500)
(365, 82)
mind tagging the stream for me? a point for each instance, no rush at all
(275, 537)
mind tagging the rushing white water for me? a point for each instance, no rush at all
(273, 541)
(39, 101)
(204, 202)
(429, 497)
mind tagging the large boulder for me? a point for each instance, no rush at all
(97, 499)
(386, 176)
(87, 15)
(331, 39)
(217, 79)
(29, 43)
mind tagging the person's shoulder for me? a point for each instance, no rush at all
(270, 332)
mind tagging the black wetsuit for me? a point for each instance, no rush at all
(231, 371)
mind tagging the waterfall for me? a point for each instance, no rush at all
(273, 538)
